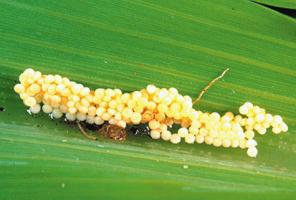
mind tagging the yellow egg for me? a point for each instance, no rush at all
(199, 139)
(252, 152)
(151, 89)
(153, 124)
(183, 132)
(30, 101)
(175, 138)
(136, 118)
(155, 134)
(35, 109)
(166, 135)
(189, 139)
(19, 88)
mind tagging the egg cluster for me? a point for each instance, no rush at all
(159, 107)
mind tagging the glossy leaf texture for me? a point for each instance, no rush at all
(127, 45)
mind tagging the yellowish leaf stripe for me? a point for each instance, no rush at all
(178, 179)
(155, 68)
(31, 138)
(212, 23)
(147, 36)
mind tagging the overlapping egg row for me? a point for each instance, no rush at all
(159, 107)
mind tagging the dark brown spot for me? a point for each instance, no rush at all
(2, 109)
(113, 132)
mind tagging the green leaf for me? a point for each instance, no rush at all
(127, 45)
